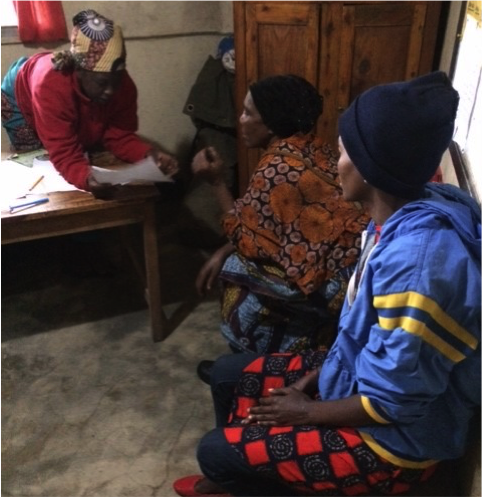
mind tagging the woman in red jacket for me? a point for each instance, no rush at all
(75, 101)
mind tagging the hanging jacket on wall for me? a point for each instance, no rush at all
(211, 99)
(211, 107)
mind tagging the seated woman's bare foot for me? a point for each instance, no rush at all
(206, 486)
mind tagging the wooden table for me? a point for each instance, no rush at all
(77, 211)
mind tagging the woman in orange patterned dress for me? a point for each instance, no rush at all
(293, 240)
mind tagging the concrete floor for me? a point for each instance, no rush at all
(90, 405)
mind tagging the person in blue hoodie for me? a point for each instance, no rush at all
(396, 393)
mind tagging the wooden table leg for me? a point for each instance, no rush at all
(153, 280)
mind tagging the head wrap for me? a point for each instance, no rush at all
(287, 104)
(96, 45)
(396, 134)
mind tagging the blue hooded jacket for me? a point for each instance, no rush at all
(409, 342)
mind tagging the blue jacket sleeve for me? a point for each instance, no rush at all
(423, 295)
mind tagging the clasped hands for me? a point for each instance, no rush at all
(286, 406)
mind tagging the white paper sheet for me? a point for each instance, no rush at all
(145, 170)
(16, 181)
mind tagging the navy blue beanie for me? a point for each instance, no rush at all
(396, 134)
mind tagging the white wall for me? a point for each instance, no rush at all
(167, 44)
(450, 36)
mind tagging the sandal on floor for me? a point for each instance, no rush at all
(185, 487)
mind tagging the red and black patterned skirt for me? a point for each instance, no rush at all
(314, 460)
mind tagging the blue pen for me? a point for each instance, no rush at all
(31, 203)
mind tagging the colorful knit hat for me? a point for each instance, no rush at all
(96, 43)
(396, 134)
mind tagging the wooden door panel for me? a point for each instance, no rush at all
(282, 38)
(370, 65)
(376, 15)
(330, 45)
(283, 50)
(380, 44)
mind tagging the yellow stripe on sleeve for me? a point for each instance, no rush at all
(426, 304)
(420, 329)
(404, 463)
(371, 412)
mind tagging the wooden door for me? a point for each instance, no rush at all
(384, 42)
(272, 38)
(343, 48)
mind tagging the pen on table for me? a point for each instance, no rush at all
(30, 203)
(36, 183)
